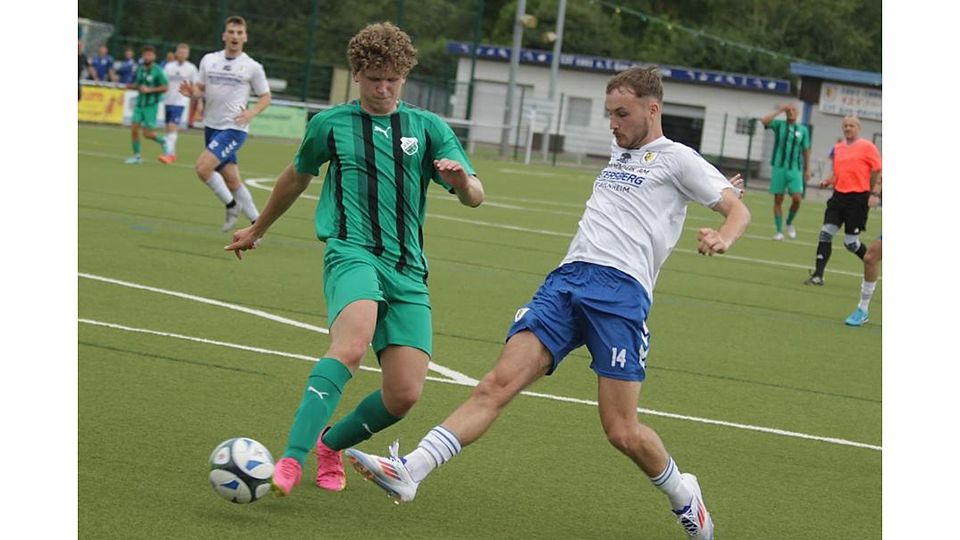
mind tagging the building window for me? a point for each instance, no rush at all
(578, 111)
(746, 125)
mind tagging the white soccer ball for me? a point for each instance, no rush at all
(241, 470)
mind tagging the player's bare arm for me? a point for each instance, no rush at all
(737, 218)
(737, 182)
(290, 184)
(191, 90)
(247, 115)
(467, 187)
(876, 189)
(144, 89)
(769, 118)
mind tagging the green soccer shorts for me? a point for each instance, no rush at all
(145, 116)
(785, 180)
(404, 317)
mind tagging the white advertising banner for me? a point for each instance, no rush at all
(846, 100)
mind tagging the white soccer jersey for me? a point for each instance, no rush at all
(177, 73)
(228, 82)
(635, 215)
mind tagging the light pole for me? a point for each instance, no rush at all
(512, 85)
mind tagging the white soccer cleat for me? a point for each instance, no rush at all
(778, 236)
(694, 518)
(231, 217)
(791, 232)
(387, 472)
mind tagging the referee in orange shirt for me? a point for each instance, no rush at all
(856, 169)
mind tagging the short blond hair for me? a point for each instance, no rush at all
(235, 19)
(379, 46)
(642, 81)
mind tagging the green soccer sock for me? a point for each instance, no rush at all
(320, 399)
(160, 139)
(790, 215)
(136, 146)
(370, 416)
(778, 220)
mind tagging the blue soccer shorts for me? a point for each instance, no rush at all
(172, 113)
(224, 143)
(602, 307)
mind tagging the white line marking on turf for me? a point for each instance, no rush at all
(256, 182)
(735, 425)
(225, 344)
(453, 374)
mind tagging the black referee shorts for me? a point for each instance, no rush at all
(849, 210)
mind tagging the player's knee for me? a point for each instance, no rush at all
(493, 389)
(871, 257)
(852, 244)
(623, 436)
(203, 170)
(400, 401)
(350, 352)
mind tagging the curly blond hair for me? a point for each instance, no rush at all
(379, 46)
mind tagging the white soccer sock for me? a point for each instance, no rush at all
(245, 199)
(219, 188)
(671, 483)
(438, 447)
(171, 146)
(866, 293)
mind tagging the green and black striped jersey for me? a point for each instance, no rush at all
(152, 78)
(789, 142)
(375, 191)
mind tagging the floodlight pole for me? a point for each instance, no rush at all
(473, 58)
(514, 64)
(554, 71)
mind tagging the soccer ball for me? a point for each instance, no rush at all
(240, 470)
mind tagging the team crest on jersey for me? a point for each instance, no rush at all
(409, 145)
(648, 157)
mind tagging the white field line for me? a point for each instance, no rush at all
(456, 375)
(735, 425)
(258, 183)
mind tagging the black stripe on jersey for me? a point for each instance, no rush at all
(373, 198)
(399, 182)
(795, 159)
(337, 186)
(426, 173)
(777, 160)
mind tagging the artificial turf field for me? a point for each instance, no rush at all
(753, 381)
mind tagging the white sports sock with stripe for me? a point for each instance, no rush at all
(436, 448)
(671, 483)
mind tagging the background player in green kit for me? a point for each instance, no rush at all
(151, 82)
(382, 155)
(791, 165)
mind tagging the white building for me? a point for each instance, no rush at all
(707, 110)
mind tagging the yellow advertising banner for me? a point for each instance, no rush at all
(102, 105)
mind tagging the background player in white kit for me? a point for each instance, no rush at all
(599, 296)
(224, 82)
(176, 104)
